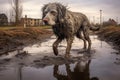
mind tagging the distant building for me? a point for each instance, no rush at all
(31, 21)
(110, 22)
(3, 20)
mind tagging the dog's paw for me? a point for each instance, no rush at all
(67, 56)
(55, 53)
(82, 51)
(91, 51)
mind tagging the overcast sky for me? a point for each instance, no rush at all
(32, 8)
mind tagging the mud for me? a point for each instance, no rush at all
(37, 62)
(111, 34)
(17, 38)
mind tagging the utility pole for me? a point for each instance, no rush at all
(101, 23)
(100, 19)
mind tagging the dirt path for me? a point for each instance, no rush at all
(37, 62)
(12, 39)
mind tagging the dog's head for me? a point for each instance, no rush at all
(53, 13)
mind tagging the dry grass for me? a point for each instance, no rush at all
(111, 34)
(23, 32)
(20, 36)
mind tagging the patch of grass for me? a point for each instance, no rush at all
(45, 27)
(22, 35)
(14, 27)
(6, 27)
(111, 34)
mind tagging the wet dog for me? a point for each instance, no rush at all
(66, 24)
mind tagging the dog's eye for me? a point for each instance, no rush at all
(45, 12)
(53, 12)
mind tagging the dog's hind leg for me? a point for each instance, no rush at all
(55, 45)
(80, 35)
(86, 34)
(84, 40)
(85, 44)
(89, 43)
(69, 44)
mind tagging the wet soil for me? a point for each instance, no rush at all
(111, 34)
(37, 62)
(17, 38)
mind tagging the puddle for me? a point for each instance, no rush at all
(41, 64)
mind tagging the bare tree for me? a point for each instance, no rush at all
(17, 10)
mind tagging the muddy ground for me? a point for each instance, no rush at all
(110, 34)
(37, 62)
(12, 39)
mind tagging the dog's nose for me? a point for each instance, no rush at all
(45, 20)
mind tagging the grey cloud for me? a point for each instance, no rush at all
(3, 1)
(109, 7)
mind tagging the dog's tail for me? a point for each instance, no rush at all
(93, 28)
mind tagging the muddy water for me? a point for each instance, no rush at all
(37, 62)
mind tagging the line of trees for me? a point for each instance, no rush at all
(16, 11)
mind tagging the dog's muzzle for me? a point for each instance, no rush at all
(45, 21)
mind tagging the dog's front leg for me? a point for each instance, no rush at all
(69, 44)
(55, 45)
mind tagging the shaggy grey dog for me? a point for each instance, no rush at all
(66, 24)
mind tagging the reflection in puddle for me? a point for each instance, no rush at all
(76, 71)
(102, 65)
(79, 72)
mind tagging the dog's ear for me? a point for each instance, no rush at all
(43, 9)
(61, 12)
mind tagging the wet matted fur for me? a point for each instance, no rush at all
(66, 24)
